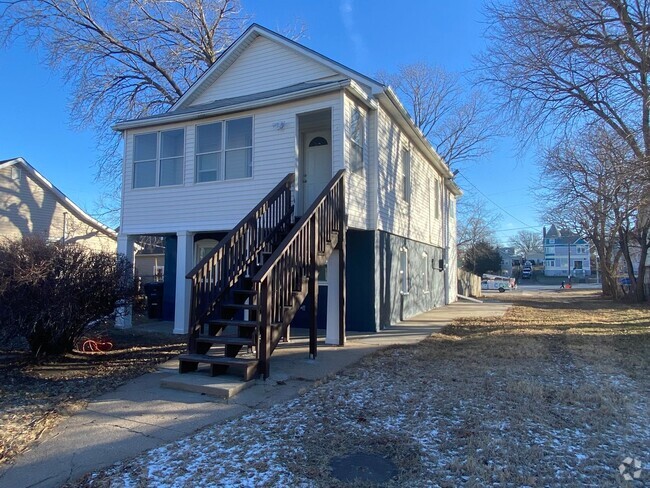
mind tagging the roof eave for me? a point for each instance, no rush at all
(184, 117)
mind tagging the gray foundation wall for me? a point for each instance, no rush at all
(391, 305)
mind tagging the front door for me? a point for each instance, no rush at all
(316, 165)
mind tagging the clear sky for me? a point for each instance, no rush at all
(366, 35)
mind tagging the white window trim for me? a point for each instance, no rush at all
(406, 174)
(158, 159)
(222, 177)
(404, 270)
(427, 275)
(362, 145)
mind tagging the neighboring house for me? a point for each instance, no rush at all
(343, 153)
(30, 204)
(150, 261)
(566, 254)
(510, 261)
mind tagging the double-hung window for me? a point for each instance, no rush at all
(209, 155)
(158, 158)
(357, 138)
(224, 150)
(406, 175)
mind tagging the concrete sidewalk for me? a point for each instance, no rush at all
(141, 415)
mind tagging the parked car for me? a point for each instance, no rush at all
(526, 274)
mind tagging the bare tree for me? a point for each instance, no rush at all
(575, 66)
(526, 242)
(571, 63)
(591, 186)
(476, 223)
(125, 58)
(454, 120)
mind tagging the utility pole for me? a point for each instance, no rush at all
(569, 263)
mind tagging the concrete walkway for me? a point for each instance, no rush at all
(141, 415)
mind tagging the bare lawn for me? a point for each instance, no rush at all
(36, 395)
(555, 393)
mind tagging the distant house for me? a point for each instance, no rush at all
(150, 260)
(510, 261)
(30, 204)
(566, 254)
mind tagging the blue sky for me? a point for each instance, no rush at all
(367, 35)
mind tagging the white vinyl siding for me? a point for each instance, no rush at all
(219, 205)
(264, 65)
(420, 218)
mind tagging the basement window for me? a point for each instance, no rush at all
(404, 271)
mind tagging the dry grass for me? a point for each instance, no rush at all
(555, 393)
(35, 396)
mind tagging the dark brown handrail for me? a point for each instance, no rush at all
(295, 260)
(227, 261)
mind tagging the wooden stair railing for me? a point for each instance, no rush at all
(260, 231)
(290, 272)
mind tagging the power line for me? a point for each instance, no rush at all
(493, 202)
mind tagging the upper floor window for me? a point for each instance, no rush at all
(357, 140)
(406, 175)
(158, 158)
(15, 172)
(224, 150)
(438, 199)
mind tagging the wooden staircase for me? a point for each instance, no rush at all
(247, 290)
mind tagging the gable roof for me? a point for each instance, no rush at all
(355, 82)
(59, 195)
(230, 55)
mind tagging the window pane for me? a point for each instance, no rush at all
(357, 127)
(239, 133)
(239, 164)
(356, 157)
(171, 171)
(145, 147)
(208, 167)
(208, 138)
(144, 174)
(171, 144)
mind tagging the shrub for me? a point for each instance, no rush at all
(50, 292)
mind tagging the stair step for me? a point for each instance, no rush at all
(207, 359)
(230, 340)
(241, 306)
(218, 364)
(244, 292)
(238, 323)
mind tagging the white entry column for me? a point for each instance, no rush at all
(184, 263)
(332, 334)
(126, 246)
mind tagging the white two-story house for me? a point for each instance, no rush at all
(334, 183)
